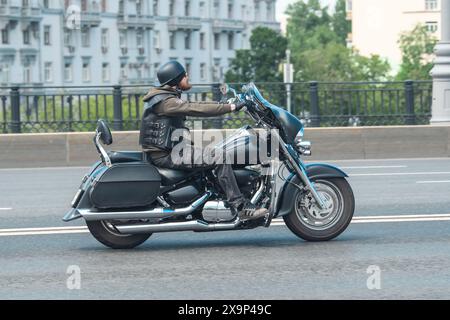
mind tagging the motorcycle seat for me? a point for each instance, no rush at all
(125, 156)
(168, 176)
(172, 176)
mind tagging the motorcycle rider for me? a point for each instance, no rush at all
(166, 112)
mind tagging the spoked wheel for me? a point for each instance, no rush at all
(311, 223)
(105, 232)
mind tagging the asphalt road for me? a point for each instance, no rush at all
(398, 246)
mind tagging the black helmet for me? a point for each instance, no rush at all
(171, 73)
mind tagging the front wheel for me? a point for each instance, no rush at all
(310, 223)
(105, 233)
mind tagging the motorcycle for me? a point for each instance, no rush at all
(124, 198)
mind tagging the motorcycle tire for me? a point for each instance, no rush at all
(304, 226)
(112, 238)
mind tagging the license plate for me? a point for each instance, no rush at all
(76, 198)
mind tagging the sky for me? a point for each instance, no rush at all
(283, 4)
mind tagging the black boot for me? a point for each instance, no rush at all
(249, 211)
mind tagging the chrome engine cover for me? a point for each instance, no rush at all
(217, 211)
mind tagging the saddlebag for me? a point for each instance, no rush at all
(128, 185)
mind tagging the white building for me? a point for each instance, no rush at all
(378, 24)
(107, 42)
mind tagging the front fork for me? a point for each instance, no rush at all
(299, 168)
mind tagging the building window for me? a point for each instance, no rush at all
(269, 11)
(230, 41)
(67, 37)
(431, 5)
(172, 40)
(138, 7)
(230, 10)
(187, 40)
(157, 40)
(84, 5)
(202, 41)
(140, 39)
(104, 6)
(217, 41)
(86, 72)
(105, 72)
(187, 8)
(68, 74)
(26, 36)
(155, 7)
(216, 9)
(216, 71)
(171, 8)
(4, 74)
(85, 38)
(257, 11)
(203, 71)
(244, 12)
(27, 74)
(105, 38)
(123, 39)
(188, 67)
(202, 10)
(349, 5)
(46, 4)
(47, 35)
(5, 36)
(48, 72)
(123, 71)
(432, 26)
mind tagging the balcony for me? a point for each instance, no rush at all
(135, 21)
(228, 25)
(184, 23)
(349, 15)
(268, 24)
(90, 19)
(31, 14)
(9, 12)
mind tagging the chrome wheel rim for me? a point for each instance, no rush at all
(309, 213)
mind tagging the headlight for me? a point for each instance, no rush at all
(304, 147)
(299, 137)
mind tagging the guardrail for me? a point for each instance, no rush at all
(77, 108)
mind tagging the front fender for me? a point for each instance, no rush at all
(314, 171)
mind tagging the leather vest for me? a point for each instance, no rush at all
(156, 130)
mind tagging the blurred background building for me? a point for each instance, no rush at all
(378, 24)
(107, 42)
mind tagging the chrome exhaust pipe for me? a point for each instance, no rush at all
(198, 226)
(157, 213)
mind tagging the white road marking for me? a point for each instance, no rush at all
(398, 174)
(429, 182)
(276, 223)
(375, 167)
(5, 209)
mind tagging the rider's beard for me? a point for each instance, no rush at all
(185, 86)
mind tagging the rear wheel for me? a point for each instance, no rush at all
(106, 233)
(310, 223)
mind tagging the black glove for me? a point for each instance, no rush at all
(241, 104)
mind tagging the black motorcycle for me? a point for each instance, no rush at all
(124, 198)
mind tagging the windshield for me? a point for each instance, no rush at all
(289, 125)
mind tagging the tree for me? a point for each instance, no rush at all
(417, 47)
(260, 63)
(341, 26)
(318, 44)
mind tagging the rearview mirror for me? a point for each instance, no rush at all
(105, 133)
(224, 89)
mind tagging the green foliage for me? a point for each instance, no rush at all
(261, 62)
(417, 47)
(318, 44)
(341, 26)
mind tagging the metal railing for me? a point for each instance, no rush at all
(66, 109)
